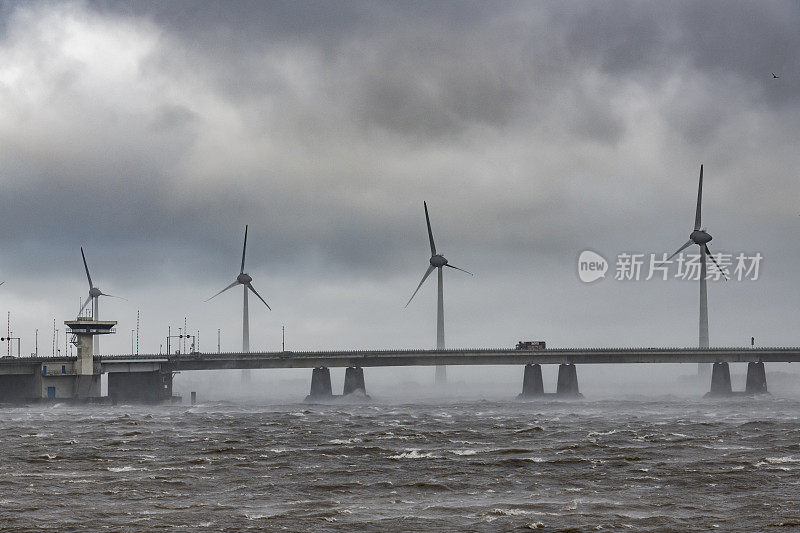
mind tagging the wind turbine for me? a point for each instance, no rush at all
(245, 280)
(437, 261)
(94, 297)
(701, 238)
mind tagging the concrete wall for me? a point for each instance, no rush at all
(64, 385)
(17, 387)
(86, 387)
(140, 386)
(58, 374)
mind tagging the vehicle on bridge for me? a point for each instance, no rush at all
(531, 345)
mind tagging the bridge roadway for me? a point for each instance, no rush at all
(148, 377)
(378, 358)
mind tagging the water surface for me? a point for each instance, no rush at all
(646, 465)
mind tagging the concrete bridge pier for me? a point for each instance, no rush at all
(532, 384)
(321, 384)
(148, 387)
(720, 380)
(567, 384)
(756, 379)
(354, 381)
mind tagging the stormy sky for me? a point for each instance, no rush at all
(151, 133)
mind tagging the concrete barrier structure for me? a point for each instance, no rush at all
(532, 384)
(568, 381)
(354, 381)
(17, 387)
(148, 387)
(321, 389)
(720, 380)
(756, 379)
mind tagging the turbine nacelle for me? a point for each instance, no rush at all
(700, 237)
(94, 292)
(438, 261)
(244, 278)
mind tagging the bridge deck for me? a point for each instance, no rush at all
(471, 357)
(375, 358)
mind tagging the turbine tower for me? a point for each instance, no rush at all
(701, 238)
(437, 261)
(245, 280)
(94, 297)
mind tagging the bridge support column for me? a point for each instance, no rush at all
(567, 381)
(756, 379)
(140, 386)
(720, 380)
(86, 384)
(532, 384)
(321, 384)
(440, 375)
(354, 381)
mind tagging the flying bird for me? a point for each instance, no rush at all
(774, 76)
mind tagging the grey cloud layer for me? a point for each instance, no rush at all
(533, 130)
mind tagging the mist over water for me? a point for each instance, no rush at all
(463, 458)
(466, 383)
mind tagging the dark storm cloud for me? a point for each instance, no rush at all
(153, 132)
(327, 77)
(731, 47)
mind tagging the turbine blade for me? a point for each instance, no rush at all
(699, 201)
(708, 253)
(427, 273)
(679, 250)
(112, 296)
(430, 233)
(461, 269)
(1, 282)
(235, 283)
(244, 249)
(87, 268)
(250, 286)
(88, 299)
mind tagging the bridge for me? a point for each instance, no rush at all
(148, 377)
(473, 356)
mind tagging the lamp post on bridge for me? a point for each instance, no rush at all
(9, 339)
(194, 340)
(169, 344)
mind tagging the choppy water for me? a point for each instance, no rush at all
(477, 466)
